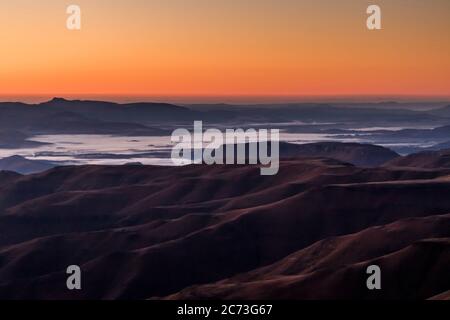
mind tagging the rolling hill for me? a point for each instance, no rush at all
(226, 231)
(24, 166)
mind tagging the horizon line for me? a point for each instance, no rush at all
(231, 99)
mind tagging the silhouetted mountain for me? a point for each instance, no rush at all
(436, 133)
(364, 155)
(225, 231)
(76, 116)
(7, 176)
(114, 112)
(13, 139)
(24, 166)
(313, 112)
(441, 112)
(64, 117)
(440, 146)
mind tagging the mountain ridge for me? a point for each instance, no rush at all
(161, 227)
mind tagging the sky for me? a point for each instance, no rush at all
(203, 48)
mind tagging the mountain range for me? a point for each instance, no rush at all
(84, 116)
(24, 166)
(201, 232)
(225, 231)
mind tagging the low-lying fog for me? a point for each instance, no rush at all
(155, 150)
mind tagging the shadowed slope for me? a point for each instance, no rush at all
(24, 166)
(324, 269)
(139, 231)
(429, 159)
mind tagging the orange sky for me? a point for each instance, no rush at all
(224, 48)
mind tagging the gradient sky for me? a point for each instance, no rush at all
(224, 48)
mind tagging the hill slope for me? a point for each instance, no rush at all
(312, 227)
(24, 166)
(426, 159)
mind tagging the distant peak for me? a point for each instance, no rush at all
(14, 158)
(57, 99)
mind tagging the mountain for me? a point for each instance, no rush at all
(321, 270)
(226, 231)
(440, 146)
(144, 112)
(321, 113)
(364, 155)
(24, 166)
(439, 133)
(442, 112)
(13, 139)
(7, 177)
(426, 159)
(60, 116)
